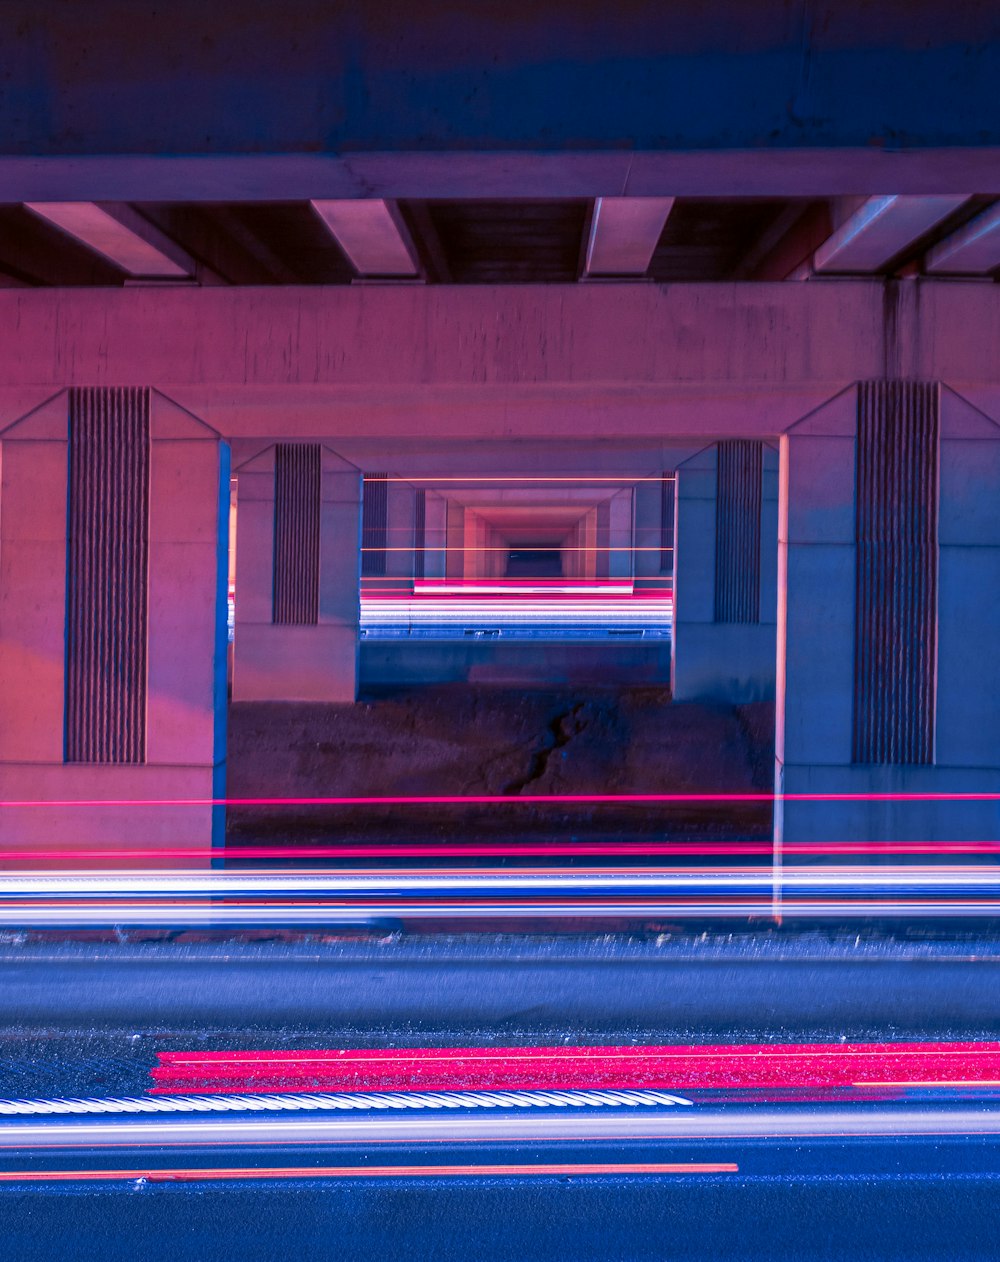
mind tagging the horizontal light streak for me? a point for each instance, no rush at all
(517, 547)
(488, 1127)
(521, 799)
(510, 850)
(606, 613)
(428, 588)
(368, 913)
(473, 880)
(200, 1174)
(934, 1082)
(341, 1101)
(681, 1067)
(621, 479)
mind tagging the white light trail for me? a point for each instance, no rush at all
(527, 1126)
(343, 1101)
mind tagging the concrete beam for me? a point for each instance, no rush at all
(623, 234)
(486, 339)
(974, 250)
(121, 235)
(253, 177)
(846, 98)
(880, 229)
(370, 234)
(560, 364)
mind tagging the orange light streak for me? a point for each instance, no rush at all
(370, 1172)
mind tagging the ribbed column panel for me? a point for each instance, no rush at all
(737, 531)
(374, 523)
(419, 533)
(667, 489)
(296, 533)
(107, 575)
(895, 643)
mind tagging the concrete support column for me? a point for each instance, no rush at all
(400, 501)
(725, 569)
(473, 531)
(620, 519)
(589, 568)
(648, 531)
(571, 552)
(497, 553)
(435, 535)
(888, 659)
(455, 553)
(297, 576)
(113, 550)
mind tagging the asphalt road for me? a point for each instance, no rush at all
(83, 1020)
(908, 1200)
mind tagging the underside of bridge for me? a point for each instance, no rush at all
(373, 355)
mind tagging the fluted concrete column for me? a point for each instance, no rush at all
(113, 547)
(725, 563)
(888, 665)
(298, 532)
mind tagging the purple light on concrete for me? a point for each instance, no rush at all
(973, 250)
(369, 235)
(102, 232)
(623, 234)
(880, 229)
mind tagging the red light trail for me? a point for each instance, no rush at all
(677, 1068)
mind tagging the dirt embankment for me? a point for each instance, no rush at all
(461, 741)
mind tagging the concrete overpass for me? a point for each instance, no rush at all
(751, 245)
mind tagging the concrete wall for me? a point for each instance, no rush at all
(731, 662)
(186, 686)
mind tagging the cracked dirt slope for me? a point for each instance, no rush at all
(461, 740)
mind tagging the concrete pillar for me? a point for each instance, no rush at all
(602, 536)
(113, 560)
(497, 554)
(725, 569)
(400, 501)
(472, 541)
(620, 517)
(648, 531)
(571, 551)
(455, 554)
(435, 535)
(888, 659)
(297, 576)
(589, 568)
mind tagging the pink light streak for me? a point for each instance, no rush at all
(515, 850)
(535, 799)
(674, 1068)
